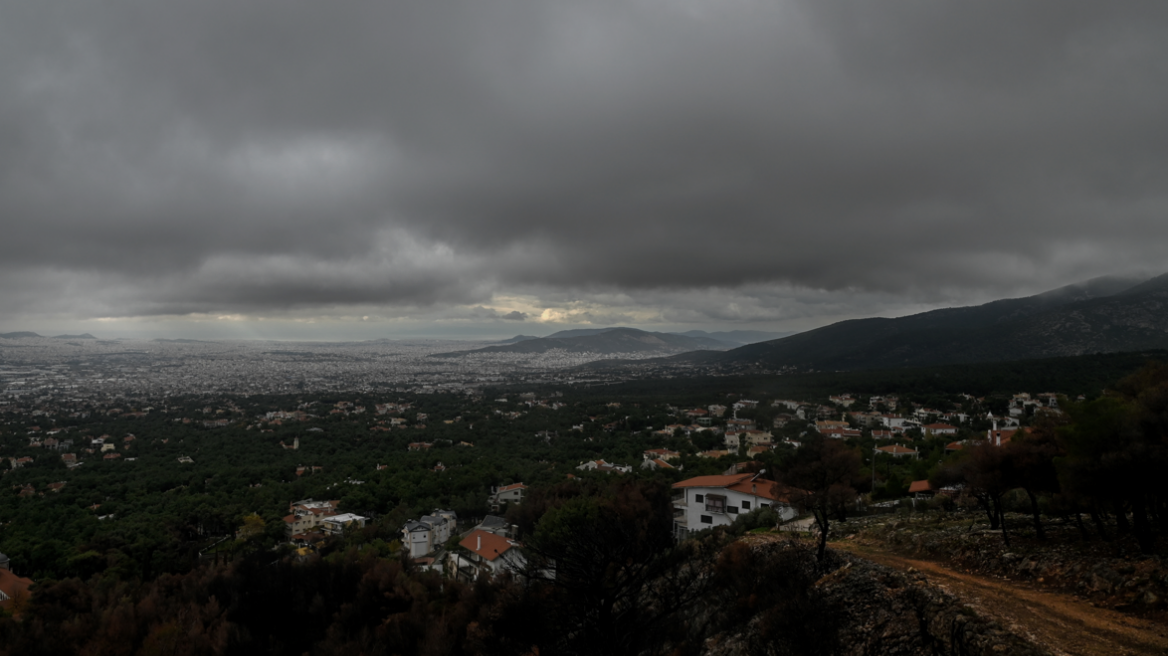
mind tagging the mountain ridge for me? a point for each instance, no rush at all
(601, 340)
(1106, 314)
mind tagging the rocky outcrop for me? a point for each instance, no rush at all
(889, 612)
(879, 611)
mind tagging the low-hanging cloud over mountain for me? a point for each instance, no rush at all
(668, 161)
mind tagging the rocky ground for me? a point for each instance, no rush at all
(1061, 623)
(881, 611)
(1107, 574)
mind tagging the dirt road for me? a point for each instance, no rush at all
(1063, 624)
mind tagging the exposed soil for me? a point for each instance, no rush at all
(1057, 621)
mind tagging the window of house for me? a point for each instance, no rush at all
(715, 503)
(733, 510)
(706, 519)
(746, 505)
(697, 498)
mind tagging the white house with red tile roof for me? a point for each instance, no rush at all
(607, 467)
(897, 451)
(512, 493)
(708, 501)
(307, 515)
(489, 555)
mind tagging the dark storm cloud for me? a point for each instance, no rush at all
(224, 156)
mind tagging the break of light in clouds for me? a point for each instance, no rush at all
(292, 169)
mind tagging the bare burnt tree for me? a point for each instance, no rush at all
(820, 480)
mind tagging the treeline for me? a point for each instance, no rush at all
(1103, 459)
(1075, 375)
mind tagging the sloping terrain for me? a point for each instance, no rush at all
(1063, 624)
(1102, 315)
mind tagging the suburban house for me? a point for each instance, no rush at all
(655, 463)
(892, 421)
(602, 466)
(512, 494)
(841, 433)
(751, 437)
(707, 501)
(489, 554)
(496, 525)
(429, 533)
(824, 425)
(338, 524)
(939, 429)
(308, 515)
(663, 454)
(897, 451)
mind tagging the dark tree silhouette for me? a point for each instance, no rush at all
(820, 481)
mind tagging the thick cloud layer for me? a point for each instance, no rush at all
(676, 161)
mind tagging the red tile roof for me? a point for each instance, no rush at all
(896, 449)
(712, 481)
(744, 483)
(920, 486)
(12, 584)
(486, 544)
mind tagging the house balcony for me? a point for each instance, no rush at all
(679, 501)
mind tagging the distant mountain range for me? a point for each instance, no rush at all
(26, 334)
(628, 340)
(1102, 315)
(606, 341)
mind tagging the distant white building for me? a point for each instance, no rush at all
(487, 554)
(512, 494)
(338, 524)
(600, 465)
(429, 533)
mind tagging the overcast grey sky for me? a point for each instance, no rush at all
(335, 170)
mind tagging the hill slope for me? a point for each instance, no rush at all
(1101, 315)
